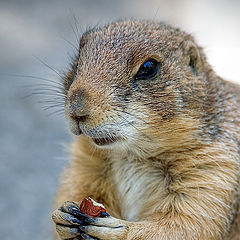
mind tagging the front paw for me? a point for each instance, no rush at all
(104, 227)
(72, 224)
(67, 224)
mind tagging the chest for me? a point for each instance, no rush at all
(136, 185)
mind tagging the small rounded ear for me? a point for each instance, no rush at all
(192, 56)
(84, 38)
(83, 41)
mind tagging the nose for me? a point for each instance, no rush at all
(77, 109)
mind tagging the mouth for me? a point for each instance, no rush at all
(105, 141)
(98, 135)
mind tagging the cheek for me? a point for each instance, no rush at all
(99, 117)
(155, 111)
(164, 104)
(157, 116)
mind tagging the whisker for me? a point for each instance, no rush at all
(47, 102)
(134, 115)
(40, 78)
(75, 28)
(143, 134)
(130, 123)
(53, 106)
(49, 90)
(155, 15)
(70, 43)
(57, 112)
(55, 97)
(124, 119)
(50, 101)
(45, 94)
(43, 86)
(48, 66)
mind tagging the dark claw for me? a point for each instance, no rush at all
(73, 209)
(104, 214)
(74, 220)
(77, 213)
(68, 206)
(68, 230)
(87, 237)
(83, 228)
(84, 217)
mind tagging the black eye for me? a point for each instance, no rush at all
(147, 70)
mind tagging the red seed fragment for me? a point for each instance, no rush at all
(91, 208)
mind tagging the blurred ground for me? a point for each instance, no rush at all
(31, 154)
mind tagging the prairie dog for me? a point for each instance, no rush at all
(158, 138)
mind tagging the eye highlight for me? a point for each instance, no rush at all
(147, 70)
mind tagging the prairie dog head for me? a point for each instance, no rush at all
(136, 83)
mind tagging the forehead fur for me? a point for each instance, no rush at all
(128, 42)
(119, 33)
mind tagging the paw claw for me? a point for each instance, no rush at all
(104, 214)
(64, 218)
(83, 228)
(79, 214)
(67, 232)
(87, 237)
(69, 207)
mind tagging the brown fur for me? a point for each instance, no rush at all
(180, 131)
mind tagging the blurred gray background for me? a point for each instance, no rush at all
(31, 142)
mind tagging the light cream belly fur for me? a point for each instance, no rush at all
(138, 186)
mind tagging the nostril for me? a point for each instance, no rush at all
(77, 113)
(76, 104)
(80, 118)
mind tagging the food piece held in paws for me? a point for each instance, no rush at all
(91, 208)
